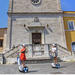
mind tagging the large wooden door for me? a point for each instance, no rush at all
(36, 38)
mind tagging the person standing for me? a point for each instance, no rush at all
(18, 55)
(54, 53)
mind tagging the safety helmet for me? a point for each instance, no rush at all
(54, 44)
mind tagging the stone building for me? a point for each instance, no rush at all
(3, 33)
(37, 22)
(69, 27)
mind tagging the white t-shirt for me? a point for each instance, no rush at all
(53, 49)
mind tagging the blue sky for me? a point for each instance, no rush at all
(66, 5)
(3, 13)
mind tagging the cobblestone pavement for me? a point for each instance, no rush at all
(45, 68)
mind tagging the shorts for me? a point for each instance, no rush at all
(54, 54)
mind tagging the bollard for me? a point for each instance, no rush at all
(4, 60)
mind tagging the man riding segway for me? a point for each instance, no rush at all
(54, 55)
(22, 56)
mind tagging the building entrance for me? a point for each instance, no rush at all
(36, 38)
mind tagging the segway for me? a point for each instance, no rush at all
(23, 69)
(55, 65)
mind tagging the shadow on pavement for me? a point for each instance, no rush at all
(30, 71)
(62, 66)
(56, 73)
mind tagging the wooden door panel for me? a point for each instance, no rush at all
(36, 38)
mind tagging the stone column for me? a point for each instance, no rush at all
(4, 42)
(8, 33)
(43, 37)
(59, 5)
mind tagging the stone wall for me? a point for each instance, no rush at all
(23, 13)
(27, 6)
(3, 33)
(54, 33)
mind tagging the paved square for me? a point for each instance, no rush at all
(43, 68)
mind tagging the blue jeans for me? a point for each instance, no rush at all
(18, 61)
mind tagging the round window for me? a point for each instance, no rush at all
(36, 1)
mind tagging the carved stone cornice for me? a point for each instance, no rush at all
(60, 12)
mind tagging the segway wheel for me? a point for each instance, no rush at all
(57, 66)
(25, 69)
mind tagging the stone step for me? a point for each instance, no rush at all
(41, 61)
(69, 58)
(31, 60)
(62, 54)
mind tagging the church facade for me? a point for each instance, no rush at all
(37, 22)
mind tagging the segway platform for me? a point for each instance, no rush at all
(55, 65)
(23, 69)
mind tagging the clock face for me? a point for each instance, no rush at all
(36, 1)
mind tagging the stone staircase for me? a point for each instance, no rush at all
(65, 54)
(10, 53)
(10, 56)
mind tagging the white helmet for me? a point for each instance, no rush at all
(24, 45)
(54, 44)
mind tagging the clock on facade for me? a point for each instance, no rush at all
(36, 1)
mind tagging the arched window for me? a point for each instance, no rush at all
(73, 46)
